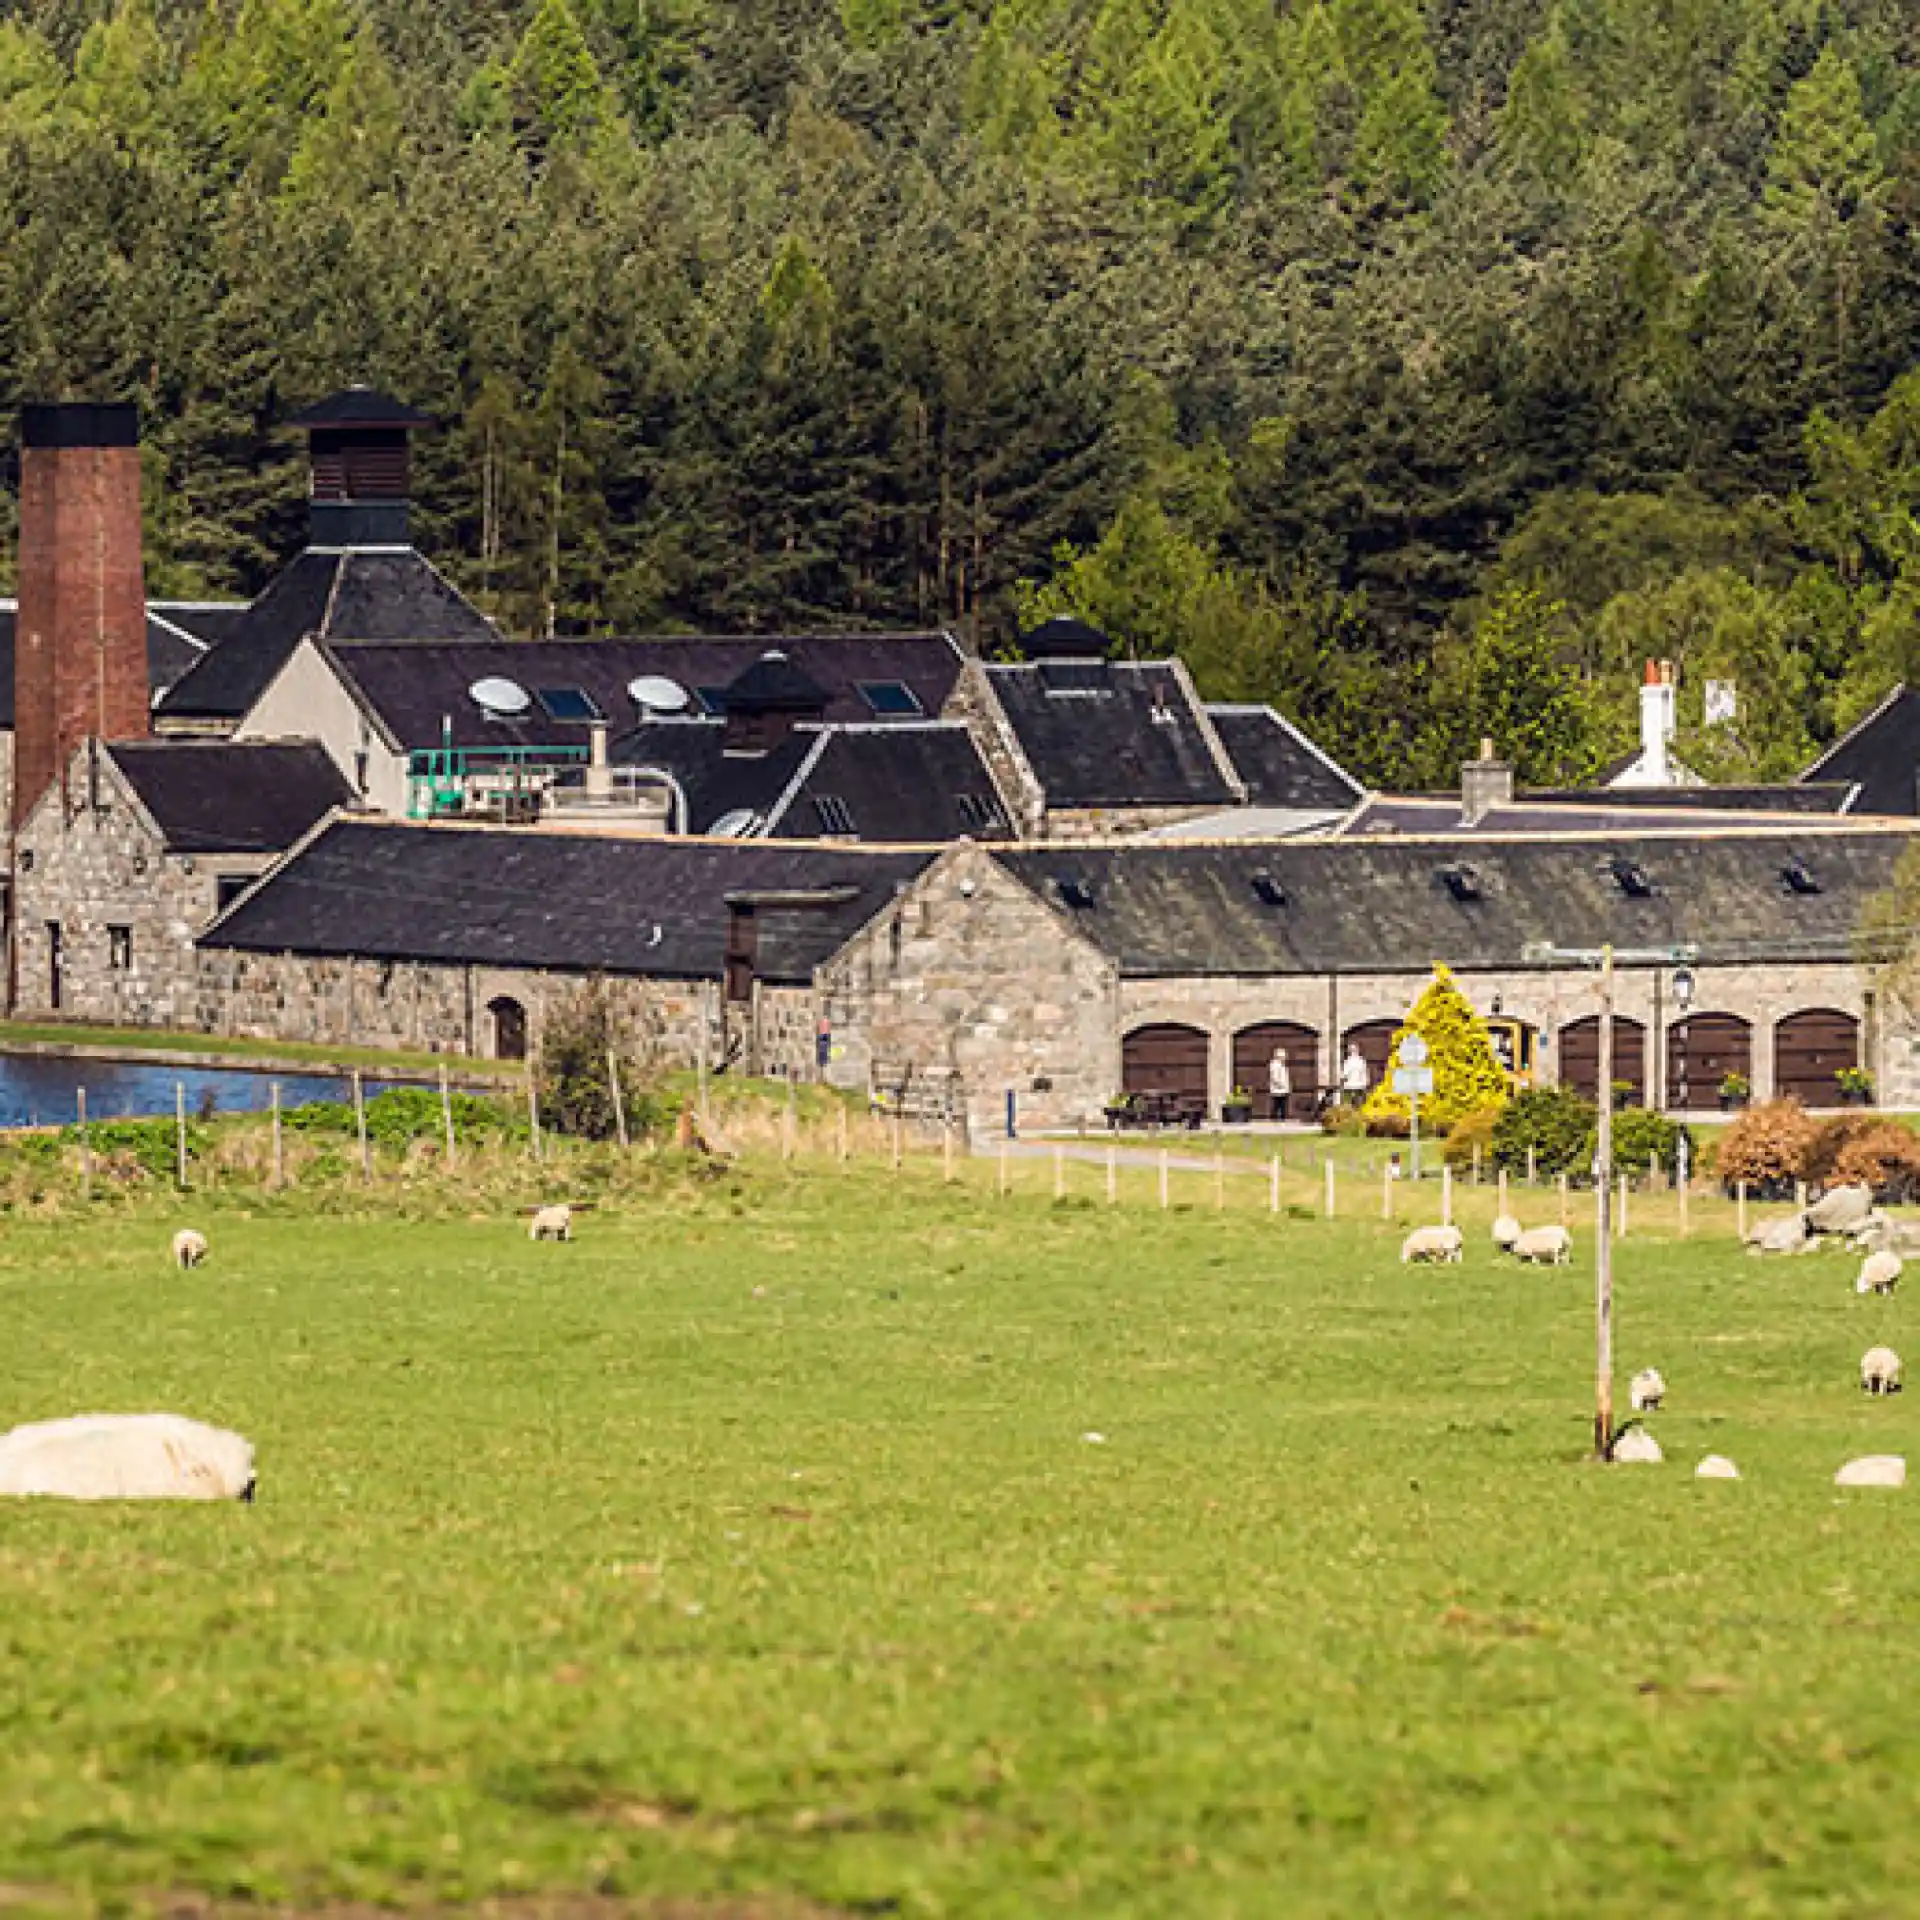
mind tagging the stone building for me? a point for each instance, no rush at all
(1055, 976)
(132, 851)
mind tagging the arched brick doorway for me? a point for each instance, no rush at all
(1253, 1051)
(1701, 1052)
(1809, 1049)
(509, 1019)
(1580, 1057)
(1167, 1059)
(1374, 1038)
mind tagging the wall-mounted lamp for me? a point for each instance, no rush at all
(1683, 988)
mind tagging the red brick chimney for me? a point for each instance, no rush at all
(80, 645)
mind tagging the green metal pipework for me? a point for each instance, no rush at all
(438, 778)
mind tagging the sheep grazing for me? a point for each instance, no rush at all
(551, 1223)
(1647, 1391)
(1879, 1273)
(1440, 1244)
(1780, 1236)
(189, 1248)
(1873, 1470)
(126, 1456)
(1716, 1466)
(1636, 1448)
(1544, 1246)
(1880, 1370)
(1506, 1230)
(1841, 1210)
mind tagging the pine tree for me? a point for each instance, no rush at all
(1824, 171)
(554, 81)
(1467, 1078)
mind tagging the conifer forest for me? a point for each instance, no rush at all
(1421, 368)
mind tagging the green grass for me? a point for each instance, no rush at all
(752, 1545)
(15, 1033)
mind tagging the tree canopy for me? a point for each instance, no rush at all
(1422, 368)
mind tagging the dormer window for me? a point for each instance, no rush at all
(1076, 893)
(1632, 879)
(1797, 877)
(1268, 891)
(1463, 883)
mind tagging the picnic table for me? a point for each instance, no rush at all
(1157, 1108)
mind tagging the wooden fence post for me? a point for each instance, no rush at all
(360, 1126)
(1564, 1209)
(1533, 1167)
(787, 1125)
(86, 1147)
(840, 1133)
(1502, 1179)
(1476, 1163)
(533, 1114)
(1684, 1189)
(619, 1098)
(446, 1113)
(279, 1162)
(1626, 1187)
(1740, 1211)
(1446, 1195)
(946, 1152)
(180, 1133)
(1003, 1169)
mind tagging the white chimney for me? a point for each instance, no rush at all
(1656, 725)
(599, 773)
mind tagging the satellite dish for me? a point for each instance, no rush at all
(500, 696)
(735, 825)
(655, 690)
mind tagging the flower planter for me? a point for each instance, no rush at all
(1236, 1113)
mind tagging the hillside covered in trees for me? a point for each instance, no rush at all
(1421, 369)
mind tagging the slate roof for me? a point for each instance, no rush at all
(414, 689)
(506, 896)
(1064, 638)
(897, 783)
(361, 407)
(179, 632)
(1363, 906)
(222, 796)
(1881, 754)
(773, 684)
(1279, 764)
(1599, 810)
(391, 594)
(1111, 734)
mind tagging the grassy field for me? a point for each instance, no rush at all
(756, 1548)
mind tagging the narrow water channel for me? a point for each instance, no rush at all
(44, 1090)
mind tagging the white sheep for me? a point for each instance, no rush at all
(1432, 1243)
(1880, 1370)
(1636, 1448)
(1716, 1466)
(551, 1223)
(189, 1248)
(1879, 1273)
(1873, 1470)
(1785, 1235)
(1506, 1230)
(1647, 1391)
(1840, 1210)
(126, 1456)
(1545, 1246)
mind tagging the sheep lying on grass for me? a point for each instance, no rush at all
(1716, 1466)
(551, 1223)
(1636, 1448)
(189, 1248)
(1787, 1235)
(1506, 1230)
(1432, 1243)
(1544, 1246)
(1647, 1391)
(1880, 1370)
(1879, 1273)
(1873, 1470)
(1840, 1210)
(126, 1456)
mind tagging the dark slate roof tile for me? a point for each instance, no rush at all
(350, 594)
(361, 407)
(713, 782)
(518, 897)
(905, 784)
(1123, 734)
(1363, 906)
(1279, 764)
(415, 689)
(224, 796)
(1881, 755)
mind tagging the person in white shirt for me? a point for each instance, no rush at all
(1279, 1082)
(1354, 1078)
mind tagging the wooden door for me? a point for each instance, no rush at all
(1580, 1057)
(1253, 1051)
(1809, 1049)
(1701, 1052)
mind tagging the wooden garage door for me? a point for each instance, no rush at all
(1253, 1050)
(1701, 1052)
(1809, 1048)
(1165, 1059)
(1580, 1057)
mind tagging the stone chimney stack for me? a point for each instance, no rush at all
(1485, 784)
(80, 647)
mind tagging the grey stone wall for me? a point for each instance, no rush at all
(89, 860)
(967, 988)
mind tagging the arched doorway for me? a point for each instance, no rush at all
(1169, 1062)
(509, 1028)
(1374, 1038)
(1701, 1052)
(1809, 1049)
(1580, 1057)
(1253, 1051)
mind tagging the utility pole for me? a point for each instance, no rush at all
(1603, 1225)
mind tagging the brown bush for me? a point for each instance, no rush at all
(1832, 1140)
(1472, 1130)
(1768, 1148)
(1885, 1157)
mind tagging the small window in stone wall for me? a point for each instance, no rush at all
(228, 887)
(119, 948)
